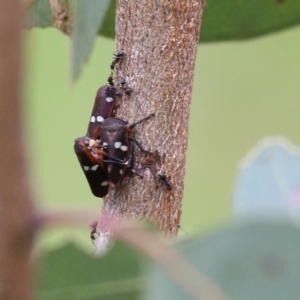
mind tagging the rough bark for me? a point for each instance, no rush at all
(160, 40)
(16, 228)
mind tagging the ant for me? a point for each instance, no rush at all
(124, 86)
(117, 59)
(93, 227)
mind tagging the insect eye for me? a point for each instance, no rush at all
(86, 142)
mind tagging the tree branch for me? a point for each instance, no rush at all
(160, 39)
(16, 226)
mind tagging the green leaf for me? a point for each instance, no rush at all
(88, 18)
(108, 27)
(235, 19)
(222, 21)
(250, 262)
(244, 19)
(268, 183)
(68, 273)
(39, 14)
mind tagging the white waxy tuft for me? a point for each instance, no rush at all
(109, 99)
(86, 168)
(124, 148)
(118, 144)
(94, 168)
(100, 119)
(104, 144)
(93, 119)
(104, 183)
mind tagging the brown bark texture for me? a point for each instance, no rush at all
(16, 228)
(160, 39)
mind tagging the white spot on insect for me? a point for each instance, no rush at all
(121, 171)
(86, 168)
(93, 119)
(118, 144)
(94, 168)
(104, 144)
(91, 143)
(100, 119)
(109, 99)
(124, 148)
(104, 183)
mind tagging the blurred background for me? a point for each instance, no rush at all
(243, 91)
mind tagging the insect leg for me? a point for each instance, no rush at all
(139, 145)
(140, 121)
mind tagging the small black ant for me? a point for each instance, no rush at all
(125, 88)
(165, 179)
(93, 227)
(154, 165)
(110, 80)
(117, 59)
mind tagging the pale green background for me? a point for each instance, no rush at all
(242, 92)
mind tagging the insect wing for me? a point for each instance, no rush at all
(103, 108)
(114, 133)
(93, 170)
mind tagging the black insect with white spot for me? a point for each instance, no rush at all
(115, 136)
(91, 160)
(103, 108)
(106, 153)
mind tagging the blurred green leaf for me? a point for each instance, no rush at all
(235, 19)
(268, 182)
(222, 20)
(108, 26)
(88, 18)
(39, 14)
(250, 262)
(68, 273)
(244, 19)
